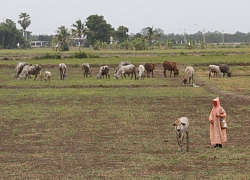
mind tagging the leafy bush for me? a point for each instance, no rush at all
(81, 55)
(48, 56)
(84, 55)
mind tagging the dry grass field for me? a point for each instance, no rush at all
(84, 128)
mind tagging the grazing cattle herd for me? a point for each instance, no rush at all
(24, 70)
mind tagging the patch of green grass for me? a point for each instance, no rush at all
(84, 128)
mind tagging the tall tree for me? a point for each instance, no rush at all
(78, 31)
(62, 39)
(152, 35)
(97, 29)
(10, 36)
(121, 34)
(24, 21)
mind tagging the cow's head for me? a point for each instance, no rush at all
(153, 66)
(177, 124)
(176, 72)
(99, 76)
(229, 74)
(116, 75)
(91, 72)
(37, 67)
(185, 80)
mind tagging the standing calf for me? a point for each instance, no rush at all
(47, 76)
(62, 70)
(181, 127)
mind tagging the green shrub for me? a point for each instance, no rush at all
(48, 56)
(81, 55)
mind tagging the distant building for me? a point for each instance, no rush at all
(38, 43)
(77, 41)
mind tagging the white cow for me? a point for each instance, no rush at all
(141, 72)
(123, 63)
(214, 69)
(34, 69)
(19, 68)
(181, 128)
(189, 74)
(62, 70)
(86, 70)
(47, 76)
(128, 69)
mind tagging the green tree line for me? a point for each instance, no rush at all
(97, 33)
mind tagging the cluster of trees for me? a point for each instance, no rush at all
(93, 31)
(10, 36)
(96, 32)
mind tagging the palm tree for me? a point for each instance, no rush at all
(168, 44)
(78, 31)
(62, 38)
(24, 22)
(151, 35)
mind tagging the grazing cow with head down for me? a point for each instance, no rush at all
(124, 63)
(189, 74)
(19, 68)
(31, 70)
(128, 69)
(214, 69)
(104, 71)
(86, 70)
(149, 69)
(170, 66)
(181, 128)
(62, 70)
(141, 72)
(225, 70)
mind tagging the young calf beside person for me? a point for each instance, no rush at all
(181, 128)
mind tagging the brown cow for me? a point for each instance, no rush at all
(171, 66)
(149, 69)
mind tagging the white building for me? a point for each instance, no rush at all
(38, 43)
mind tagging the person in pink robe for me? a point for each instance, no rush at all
(218, 135)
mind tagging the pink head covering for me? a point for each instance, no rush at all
(216, 108)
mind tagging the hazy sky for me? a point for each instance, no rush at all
(172, 16)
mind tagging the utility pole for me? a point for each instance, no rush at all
(185, 38)
(222, 36)
(204, 35)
